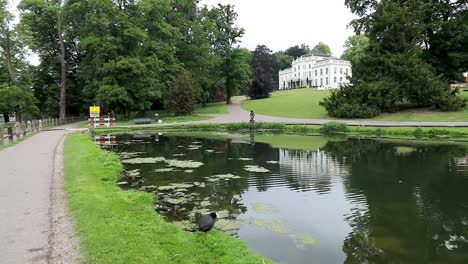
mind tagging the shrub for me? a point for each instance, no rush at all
(182, 97)
(418, 133)
(334, 128)
(449, 101)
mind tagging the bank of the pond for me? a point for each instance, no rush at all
(428, 133)
(118, 226)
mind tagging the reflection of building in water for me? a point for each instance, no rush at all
(313, 169)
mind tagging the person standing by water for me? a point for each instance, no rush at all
(252, 117)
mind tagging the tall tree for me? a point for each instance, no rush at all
(15, 93)
(356, 48)
(321, 49)
(263, 67)
(225, 36)
(297, 51)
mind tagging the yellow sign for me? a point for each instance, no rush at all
(94, 110)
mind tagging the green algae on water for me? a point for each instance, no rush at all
(264, 208)
(144, 160)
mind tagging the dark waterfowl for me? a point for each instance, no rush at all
(206, 222)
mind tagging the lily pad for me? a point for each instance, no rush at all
(182, 185)
(129, 155)
(179, 155)
(264, 208)
(133, 173)
(144, 160)
(209, 150)
(188, 171)
(254, 168)
(184, 163)
(245, 159)
(165, 170)
(202, 185)
(277, 226)
(196, 183)
(228, 224)
(205, 203)
(176, 200)
(167, 188)
(272, 162)
(302, 241)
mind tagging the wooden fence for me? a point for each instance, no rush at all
(16, 130)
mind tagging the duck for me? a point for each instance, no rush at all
(206, 222)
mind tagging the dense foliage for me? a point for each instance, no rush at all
(394, 69)
(181, 99)
(263, 65)
(123, 55)
(321, 49)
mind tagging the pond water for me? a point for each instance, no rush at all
(309, 200)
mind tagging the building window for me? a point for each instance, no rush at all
(346, 71)
(316, 82)
(335, 70)
(299, 75)
(321, 82)
(321, 72)
(326, 81)
(334, 79)
(315, 72)
(326, 70)
(341, 79)
(310, 74)
(303, 67)
(341, 70)
(310, 66)
(294, 75)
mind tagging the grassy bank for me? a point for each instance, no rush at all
(304, 103)
(118, 226)
(424, 133)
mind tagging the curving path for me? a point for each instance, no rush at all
(237, 114)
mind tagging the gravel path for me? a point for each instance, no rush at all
(34, 225)
(238, 114)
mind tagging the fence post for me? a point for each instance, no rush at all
(1, 134)
(29, 127)
(17, 130)
(33, 125)
(23, 128)
(40, 124)
(10, 132)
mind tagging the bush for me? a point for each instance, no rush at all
(449, 101)
(349, 102)
(334, 128)
(182, 97)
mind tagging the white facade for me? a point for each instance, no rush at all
(324, 72)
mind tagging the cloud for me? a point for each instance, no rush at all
(282, 24)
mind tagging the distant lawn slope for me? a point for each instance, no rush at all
(298, 103)
(304, 103)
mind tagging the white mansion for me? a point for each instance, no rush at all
(324, 72)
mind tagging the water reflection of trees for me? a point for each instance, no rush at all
(417, 202)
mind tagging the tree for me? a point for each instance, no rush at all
(356, 48)
(284, 61)
(182, 95)
(42, 26)
(263, 66)
(240, 71)
(442, 33)
(225, 36)
(321, 49)
(15, 95)
(392, 71)
(297, 51)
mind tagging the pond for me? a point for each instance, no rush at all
(298, 199)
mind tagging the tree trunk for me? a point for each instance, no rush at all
(18, 117)
(63, 84)
(6, 117)
(9, 60)
(228, 90)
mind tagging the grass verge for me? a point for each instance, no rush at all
(423, 133)
(118, 226)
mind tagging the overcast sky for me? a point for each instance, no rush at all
(280, 24)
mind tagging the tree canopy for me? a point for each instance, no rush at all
(321, 49)
(263, 65)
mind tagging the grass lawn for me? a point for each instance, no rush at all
(298, 103)
(118, 226)
(304, 103)
(201, 113)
